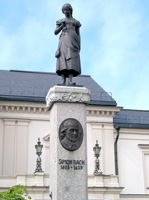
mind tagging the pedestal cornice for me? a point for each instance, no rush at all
(67, 94)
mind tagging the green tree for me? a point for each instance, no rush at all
(17, 192)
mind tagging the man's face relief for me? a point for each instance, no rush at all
(72, 133)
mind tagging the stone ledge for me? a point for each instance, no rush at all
(98, 187)
(67, 94)
(103, 180)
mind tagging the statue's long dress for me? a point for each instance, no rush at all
(69, 47)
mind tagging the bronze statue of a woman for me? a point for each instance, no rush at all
(68, 57)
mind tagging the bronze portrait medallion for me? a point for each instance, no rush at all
(71, 134)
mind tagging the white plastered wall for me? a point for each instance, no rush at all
(9, 147)
(30, 122)
(100, 127)
(15, 147)
(20, 126)
(131, 160)
(1, 144)
(37, 129)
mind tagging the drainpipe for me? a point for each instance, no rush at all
(115, 149)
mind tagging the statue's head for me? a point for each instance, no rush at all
(67, 6)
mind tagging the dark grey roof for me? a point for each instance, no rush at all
(33, 87)
(132, 119)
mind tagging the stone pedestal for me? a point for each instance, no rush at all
(68, 168)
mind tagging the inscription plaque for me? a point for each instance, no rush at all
(71, 164)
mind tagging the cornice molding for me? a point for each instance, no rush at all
(33, 108)
(67, 94)
(144, 146)
(133, 131)
(92, 111)
(23, 109)
(102, 111)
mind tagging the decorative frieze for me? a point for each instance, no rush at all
(67, 94)
(22, 109)
(93, 112)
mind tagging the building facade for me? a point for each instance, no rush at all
(123, 136)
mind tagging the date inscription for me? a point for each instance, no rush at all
(71, 164)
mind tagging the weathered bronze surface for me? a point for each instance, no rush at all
(71, 134)
(68, 58)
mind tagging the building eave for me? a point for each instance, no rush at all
(131, 125)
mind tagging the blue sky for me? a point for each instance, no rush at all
(114, 42)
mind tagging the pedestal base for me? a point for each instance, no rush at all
(68, 168)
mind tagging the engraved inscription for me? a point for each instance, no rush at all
(71, 164)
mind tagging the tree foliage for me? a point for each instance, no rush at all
(17, 192)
